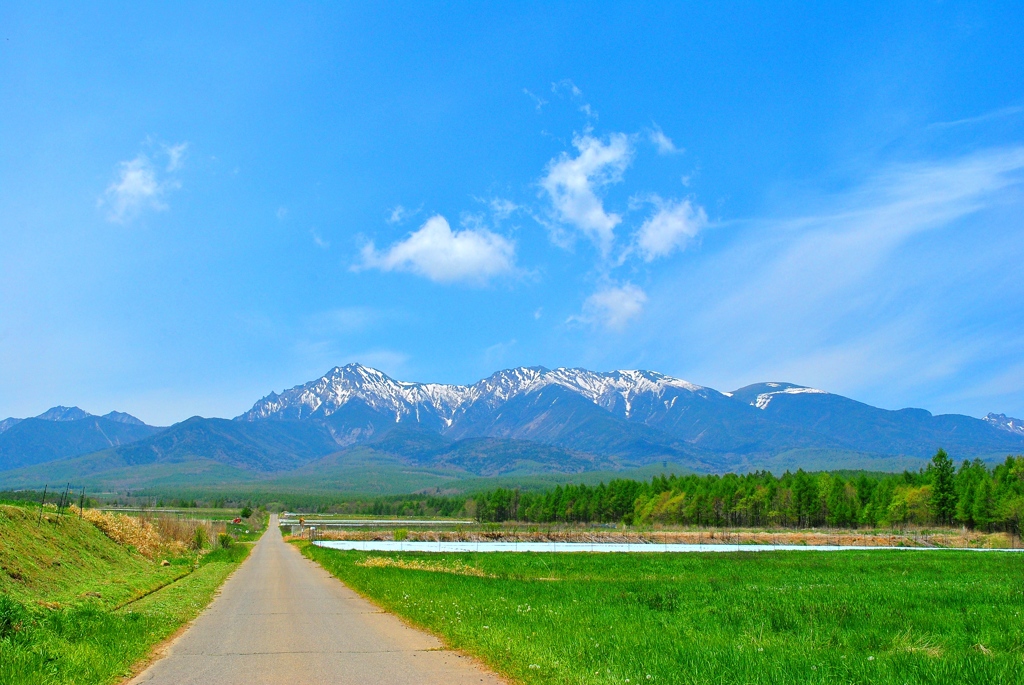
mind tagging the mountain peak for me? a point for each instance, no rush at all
(760, 395)
(1005, 423)
(121, 417)
(355, 368)
(62, 413)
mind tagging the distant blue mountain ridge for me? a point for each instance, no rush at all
(522, 420)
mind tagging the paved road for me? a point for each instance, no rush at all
(282, 619)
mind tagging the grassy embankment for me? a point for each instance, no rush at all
(77, 607)
(780, 617)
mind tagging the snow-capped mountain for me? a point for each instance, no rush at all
(1006, 423)
(618, 392)
(381, 393)
(521, 420)
(620, 413)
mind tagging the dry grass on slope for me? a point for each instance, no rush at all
(151, 537)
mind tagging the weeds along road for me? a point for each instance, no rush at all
(282, 619)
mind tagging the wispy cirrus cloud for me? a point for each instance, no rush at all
(1000, 113)
(319, 240)
(566, 87)
(661, 142)
(538, 102)
(442, 255)
(175, 156)
(399, 214)
(890, 286)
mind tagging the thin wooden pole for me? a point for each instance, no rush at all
(42, 503)
(63, 499)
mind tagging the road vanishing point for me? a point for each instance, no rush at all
(282, 619)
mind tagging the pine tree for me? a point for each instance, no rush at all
(965, 505)
(943, 500)
(984, 513)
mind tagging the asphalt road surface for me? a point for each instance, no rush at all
(282, 619)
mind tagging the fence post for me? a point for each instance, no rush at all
(63, 500)
(42, 503)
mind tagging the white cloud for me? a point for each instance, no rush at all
(318, 240)
(613, 307)
(501, 208)
(136, 188)
(567, 85)
(572, 183)
(399, 214)
(538, 102)
(669, 228)
(175, 156)
(139, 185)
(444, 256)
(662, 142)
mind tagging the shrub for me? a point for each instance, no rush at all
(200, 538)
(224, 540)
(401, 534)
(246, 512)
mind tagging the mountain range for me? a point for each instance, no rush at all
(527, 420)
(65, 431)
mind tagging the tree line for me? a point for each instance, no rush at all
(971, 495)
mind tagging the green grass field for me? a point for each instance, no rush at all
(780, 617)
(75, 607)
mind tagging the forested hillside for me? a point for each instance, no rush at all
(972, 495)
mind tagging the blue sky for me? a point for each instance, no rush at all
(199, 205)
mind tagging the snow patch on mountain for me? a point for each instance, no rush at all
(1005, 423)
(765, 398)
(604, 389)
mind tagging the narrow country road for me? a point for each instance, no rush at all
(282, 619)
